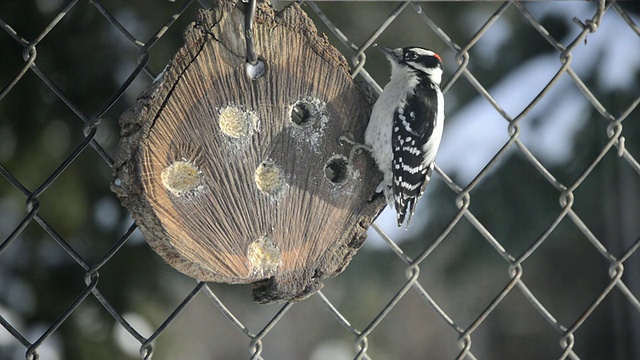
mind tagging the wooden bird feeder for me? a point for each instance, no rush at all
(240, 181)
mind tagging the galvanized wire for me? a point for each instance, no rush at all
(513, 263)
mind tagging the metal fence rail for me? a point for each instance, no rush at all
(512, 263)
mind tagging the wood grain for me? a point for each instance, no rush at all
(236, 136)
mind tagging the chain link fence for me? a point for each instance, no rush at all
(515, 290)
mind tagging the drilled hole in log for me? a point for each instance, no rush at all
(301, 113)
(336, 170)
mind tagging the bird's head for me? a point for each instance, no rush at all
(414, 59)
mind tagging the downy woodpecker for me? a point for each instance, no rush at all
(406, 124)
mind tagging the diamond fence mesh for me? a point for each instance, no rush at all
(529, 247)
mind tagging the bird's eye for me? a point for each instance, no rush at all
(410, 56)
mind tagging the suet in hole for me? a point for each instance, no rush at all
(264, 257)
(268, 178)
(301, 113)
(336, 169)
(235, 122)
(181, 177)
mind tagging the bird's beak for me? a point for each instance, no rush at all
(391, 54)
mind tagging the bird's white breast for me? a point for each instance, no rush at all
(378, 133)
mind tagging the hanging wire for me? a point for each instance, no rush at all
(254, 67)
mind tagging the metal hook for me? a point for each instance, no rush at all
(254, 67)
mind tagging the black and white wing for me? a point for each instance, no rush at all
(413, 156)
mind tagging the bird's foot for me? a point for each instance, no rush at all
(356, 147)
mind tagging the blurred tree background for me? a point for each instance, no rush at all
(88, 60)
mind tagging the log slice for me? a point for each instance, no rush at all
(244, 181)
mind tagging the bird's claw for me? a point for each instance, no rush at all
(356, 146)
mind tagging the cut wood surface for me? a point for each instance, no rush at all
(225, 183)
